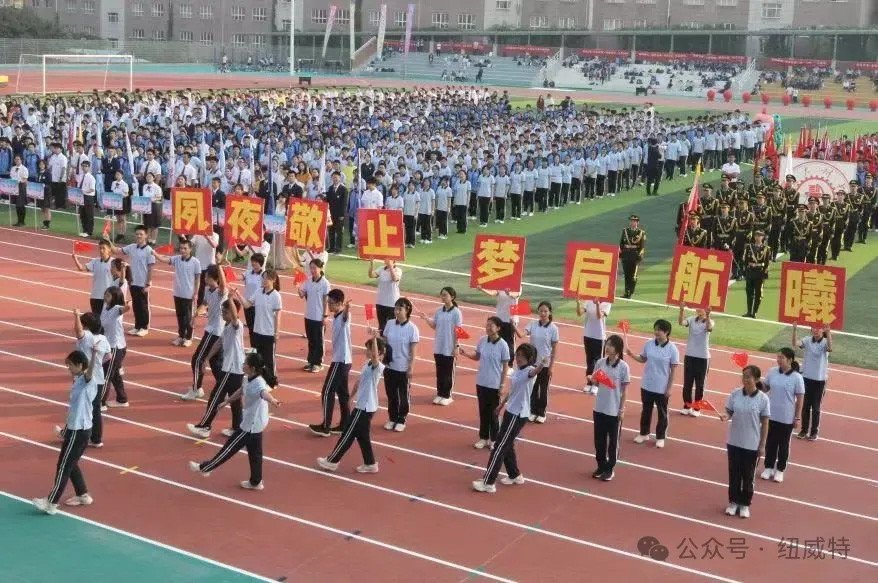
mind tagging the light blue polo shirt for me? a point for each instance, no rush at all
(341, 338)
(783, 389)
(446, 321)
(492, 356)
(747, 413)
(82, 394)
(659, 360)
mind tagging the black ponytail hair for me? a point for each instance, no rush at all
(406, 305)
(90, 322)
(119, 265)
(548, 305)
(255, 361)
(116, 296)
(756, 373)
(451, 292)
(790, 354)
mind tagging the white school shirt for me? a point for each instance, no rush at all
(516, 181)
(204, 251)
(530, 180)
(592, 325)
(400, 337)
(443, 199)
(747, 413)
(425, 202)
(266, 306)
(542, 337)
(410, 203)
(254, 418)
(445, 340)
(461, 193)
(233, 349)
(102, 278)
(501, 186)
(120, 187)
(82, 393)
(521, 385)
(185, 272)
(153, 191)
(504, 302)
(816, 359)
(141, 258)
(782, 392)
(85, 345)
(486, 186)
(341, 338)
(111, 322)
(371, 199)
(214, 300)
(367, 389)
(19, 173)
(394, 203)
(492, 357)
(657, 369)
(315, 292)
(388, 290)
(88, 184)
(252, 282)
(608, 401)
(698, 343)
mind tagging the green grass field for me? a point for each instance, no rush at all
(448, 263)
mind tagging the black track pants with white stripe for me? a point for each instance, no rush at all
(238, 440)
(204, 348)
(336, 384)
(504, 448)
(359, 428)
(226, 384)
(75, 441)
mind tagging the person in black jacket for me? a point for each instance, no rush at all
(653, 167)
(337, 199)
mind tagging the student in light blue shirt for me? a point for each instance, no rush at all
(815, 363)
(87, 329)
(786, 389)
(662, 359)
(492, 354)
(76, 434)
(314, 291)
(445, 322)
(359, 424)
(336, 382)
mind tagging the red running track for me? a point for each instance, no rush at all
(419, 513)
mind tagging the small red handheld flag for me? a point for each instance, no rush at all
(740, 359)
(165, 249)
(460, 333)
(229, 272)
(299, 277)
(602, 378)
(522, 308)
(108, 225)
(370, 311)
(704, 405)
(624, 326)
(83, 247)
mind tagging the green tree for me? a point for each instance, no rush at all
(24, 23)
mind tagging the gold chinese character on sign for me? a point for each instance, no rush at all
(591, 273)
(305, 223)
(497, 259)
(189, 212)
(694, 275)
(811, 295)
(244, 220)
(379, 235)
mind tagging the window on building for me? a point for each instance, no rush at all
(113, 17)
(692, 25)
(88, 6)
(187, 36)
(207, 37)
(88, 30)
(439, 20)
(343, 17)
(612, 23)
(570, 1)
(206, 12)
(638, 23)
(238, 13)
(137, 9)
(615, 1)
(566, 22)
(503, 4)
(645, 1)
(287, 24)
(158, 11)
(260, 14)
(138, 34)
(694, 2)
(771, 11)
(319, 16)
(728, 26)
(400, 18)
(727, 3)
(539, 22)
(466, 21)
(185, 11)
(239, 40)
(374, 17)
(259, 40)
(114, 43)
(158, 34)
(71, 5)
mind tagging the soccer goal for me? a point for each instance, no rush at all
(74, 72)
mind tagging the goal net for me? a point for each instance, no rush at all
(74, 72)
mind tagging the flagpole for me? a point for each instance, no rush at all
(292, 38)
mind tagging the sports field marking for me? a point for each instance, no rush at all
(471, 571)
(615, 501)
(436, 420)
(473, 307)
(149, 541)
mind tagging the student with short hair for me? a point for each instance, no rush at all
(365, 399)
(402, 338)
(696, 363)
(387, 293)
(594, 328)
(786, 391)
(252, 280)
(87, 331)
(815, 364)
(336, 382)
(141, 261)
(609, 406)
(662, 359)
(544, 335)
(445, 322)
(101, 277)
(314, 291)
(492, 354)
(187, 274)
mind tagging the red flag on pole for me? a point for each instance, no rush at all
(165, 249)
(704, 405)
(370, 311)
(740, 359)
(108, 225)
(624, 326)
(299, 277)
(229, 272)
(83, 247)
(522, 308)
(460, 333)
(692, 204)
(602, 378)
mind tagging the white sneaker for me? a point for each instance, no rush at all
(192, 394)
(641, 438)
(84, 235)
(685, 411)
(122, 371)
(104, 408)
(436, 400)
(84, 500)
(694, 413)
(399, 427)
(594, 390)
(195, 467)
(446, 401)
(59, 432)
(177, 341)
(531, 418)
(659, 443)
(96, 445)
(540, 419)
(732, 509)
(326, 464)
(766, 474)
(227, 432)
(248, 486)
(142, 332)
(481, 486)
(187, 343)
(481, 444)
(778, 476)
(43, 505)
(117, 405)
(519, 479)
(744, 511)
(133, 332)
(201, 432)
(389, 425)
(368, 468)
